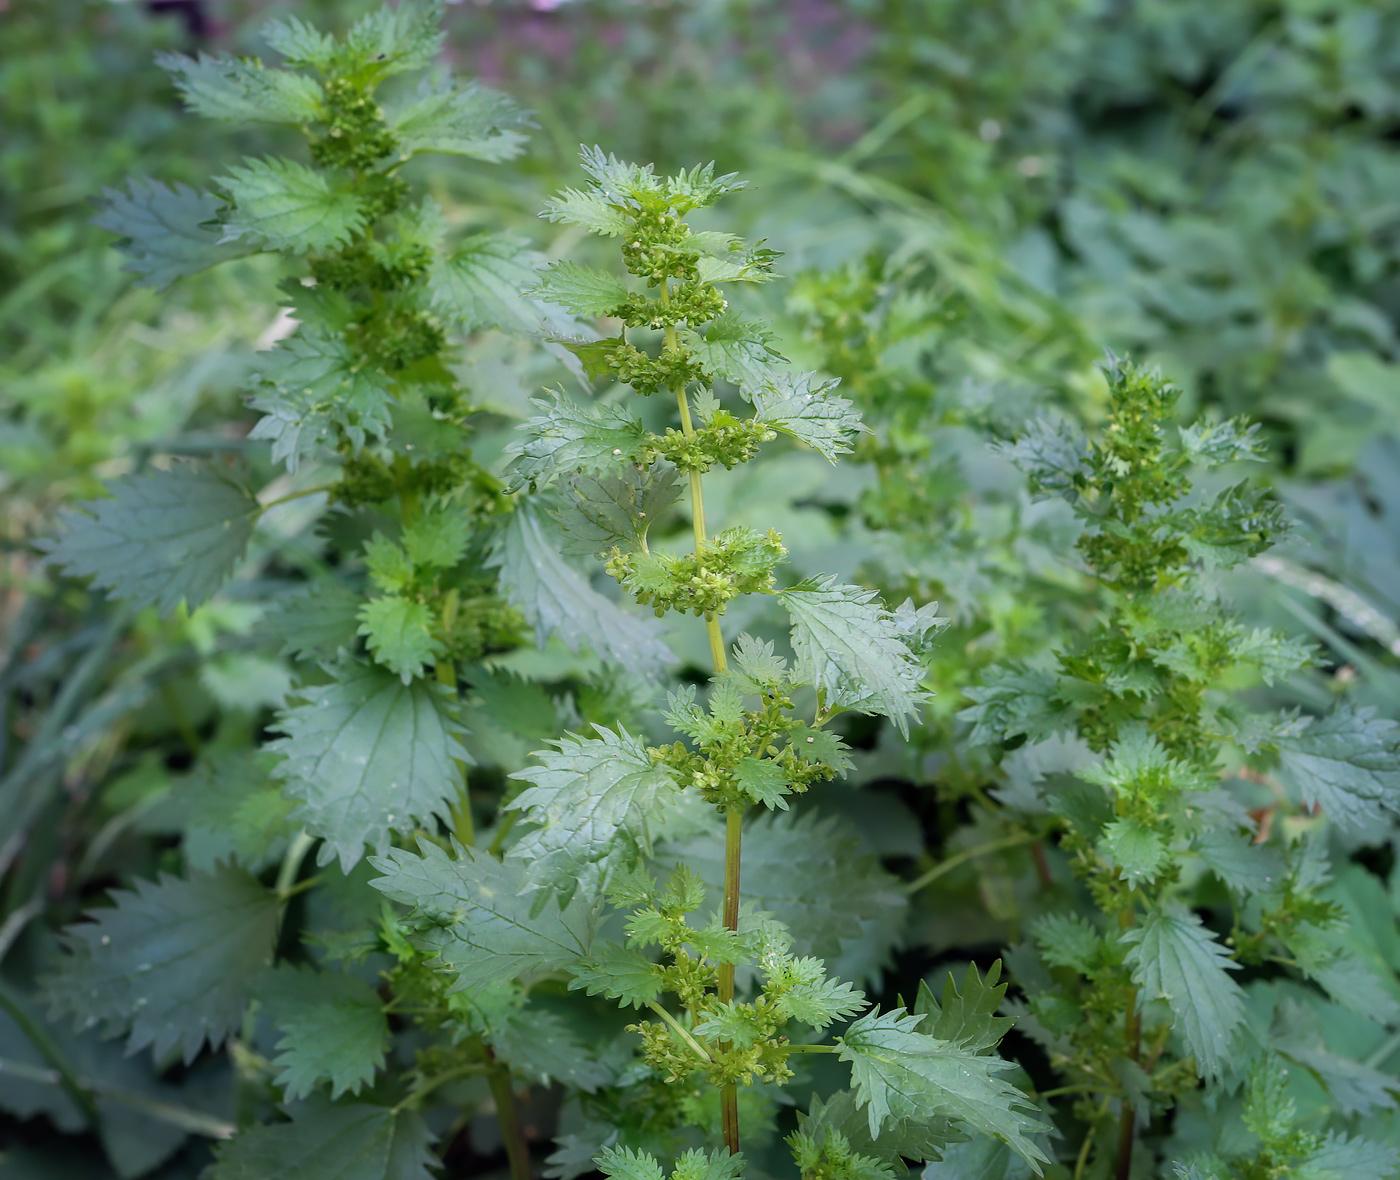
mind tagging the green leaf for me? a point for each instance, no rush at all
(286, 206)
(479, 285)
(300, 43)
(1067, 940)
(763, 781)
(921, 1138)
(596, 801)
(457, 119)
(1213, 443)
(622, 1163)
(483, 930)
(324, 1141)
(967, 1019)
(592, 211)
(438, 537)
(736, 348)
(1138, 852)
(218, 86)
(619, 507)
(312, 384)
(1012, 701)
(850, 649)
(1344, 1158)
(581, 289)
(807, 409)
(368, 754)
(230, 809)
(317, 623)
(165, 537)
(1177, 959)
(618, 972)
(820, 1001)
(538, 1044)
(573, 436)
(556, 600)
(399, 633)
(899, 1073)
(718, 1164)
(172, 231)
(1244, 866)
(333, 1030)
(394, 40)
(1054, 455)
(1347, 762)
(172, 961)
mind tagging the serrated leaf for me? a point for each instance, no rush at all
(808, 410)
(394, 40)
(300, 43)
(601, 511)
(367, 754)
(1346, 1158)
(822, 1001)
(479, 285)
(164, 537)
(1213, 443)
(596, 802)
(1054, 455)
(1177, 959)
(718, 1164)
(230, 809)
(172, 962)
(555, 600)
(849, 649)
(1137, 852)
(332, 1027)
(1348, 762)
(736, 348)
(399, 633)
(763, 781)
(968, 1018)
(573, 436)
(484, 930)
(618, 972)
(1244, 866)
(1067, 940)
(172, 231)
(622, 1163)
(899, 1073)
(324, 1141)
(316, 623)
(916, 1139)
(581, 289)
(287, 206)
(459, 119)
(438, 537)
(1012, 701)
(539, 1045)
(590, 210)
(218, 86)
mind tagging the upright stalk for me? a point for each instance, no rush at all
(517, 1150)
(1133, 1032)
(734, 817)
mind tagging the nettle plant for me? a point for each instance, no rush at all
(1197, 828)
(728, 1011)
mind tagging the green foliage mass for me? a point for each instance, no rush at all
(472, 708)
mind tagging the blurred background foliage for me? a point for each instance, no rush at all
(974, 200)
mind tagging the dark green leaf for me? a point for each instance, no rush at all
(287, 206)
(165, 537)
(218, 86)
(573, 436)
(332, 1026)
(1348, 762)
(618, 972)
(479, 284)
(967, 1019)
(460, 119)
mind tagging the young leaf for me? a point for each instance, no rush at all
(331, 1142)
(555, 600)
(459, 119)
(573, 436)
(581, 289)
(1177, 959)
(900, 1073)
(596, 801)
(479, 284)
(300, 44)
(218, 86)
(1348, 762)
(822, 1001)
(165, 537)
(763, 781)
(738, 349)
(1054, 455)
(618, 972)
(625, 1164)
(1137, 851)
(849, 648)
(484, 931)
(333, 1030)
(399, 633)
(540, 1045)
(394, 40)
(172, 961)
(172, 231)
(286, 206)
(593, 211)
(967, 1019)
(1244, 866)
(367, 754)
(1067, 940)
(809, 411)
(316, 623)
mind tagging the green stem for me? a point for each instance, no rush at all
(291, 863)
(1133, 1033)
(463, 826)
(811, 1048)
(517, 1150)
(73, 1086)
(681, 1031)
(323, 487)
(947, 866)
(729, 1094)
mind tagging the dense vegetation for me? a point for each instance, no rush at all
(847, 627)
